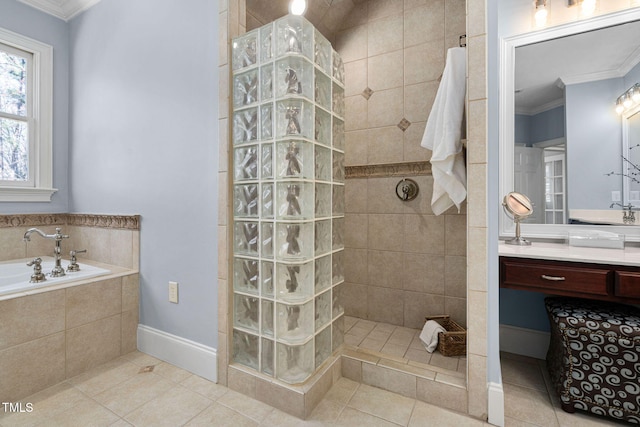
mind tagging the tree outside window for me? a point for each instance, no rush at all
(14, 114)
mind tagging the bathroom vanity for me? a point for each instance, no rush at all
(560, 269)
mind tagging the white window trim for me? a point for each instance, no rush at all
(43, 118)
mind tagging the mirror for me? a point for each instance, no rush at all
(519, 207)
(560, 137)
(631, 146)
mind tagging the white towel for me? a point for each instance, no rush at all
(429, 335)
(442, 135)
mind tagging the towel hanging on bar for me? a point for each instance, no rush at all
(443, 132)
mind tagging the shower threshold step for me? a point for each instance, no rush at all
(391, 364)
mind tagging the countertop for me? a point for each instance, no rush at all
(563, 252)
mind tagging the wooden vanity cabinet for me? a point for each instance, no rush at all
(627, 284)
(574, 279)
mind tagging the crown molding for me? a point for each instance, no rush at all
(541, 108)
(62, 9)
(621, 71)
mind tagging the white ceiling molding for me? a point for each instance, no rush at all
(63, 9)
(540, 109)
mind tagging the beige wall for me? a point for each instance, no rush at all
(402, 262)
(477, 296)
(397, 49)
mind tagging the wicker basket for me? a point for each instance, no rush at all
(453, 342)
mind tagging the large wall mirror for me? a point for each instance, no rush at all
(562, 143)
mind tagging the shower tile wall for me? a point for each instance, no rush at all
(402, 262)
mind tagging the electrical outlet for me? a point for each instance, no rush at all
(173, 292)
(615, 196)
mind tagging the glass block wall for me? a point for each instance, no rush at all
(288, 199)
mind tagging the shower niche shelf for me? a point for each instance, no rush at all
(288, 207)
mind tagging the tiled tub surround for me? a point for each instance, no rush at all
(109, 239)
(51, 335)
(59, 331)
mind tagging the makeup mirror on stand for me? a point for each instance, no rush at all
(519, 207)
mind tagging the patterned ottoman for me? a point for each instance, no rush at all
(594, 356)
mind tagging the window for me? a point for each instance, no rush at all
(25, 119)
(554, 177)
(16, 103)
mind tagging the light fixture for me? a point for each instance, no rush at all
(298, 7)
(629, 99)
(587, 6)
(636, 93)
(541, 13)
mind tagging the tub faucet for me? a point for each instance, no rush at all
(57, 271)
(37, 275)
(628, 215)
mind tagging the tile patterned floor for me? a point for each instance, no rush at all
(529, 400)
(140, 390)
(383, 339)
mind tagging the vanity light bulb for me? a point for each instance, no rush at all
(588, 7)
(298, 7)
(619, 107)
(636, 93)
(627, 101)
(541, 16)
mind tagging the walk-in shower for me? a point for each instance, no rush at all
(288, 199)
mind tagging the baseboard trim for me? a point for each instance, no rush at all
(496, 404)
(526, 342)
(183, 353)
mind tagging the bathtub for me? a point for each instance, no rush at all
(15, 275)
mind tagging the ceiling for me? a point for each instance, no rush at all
(326, 15)
(543, 68)
(63, 9)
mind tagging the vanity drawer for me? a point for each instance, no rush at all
(555, 277)
(627, 284)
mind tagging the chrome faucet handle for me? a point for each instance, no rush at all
(73, 265)
(36, 262)
(59, 235)
(37, 275)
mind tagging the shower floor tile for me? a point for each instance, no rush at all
(399, 344)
